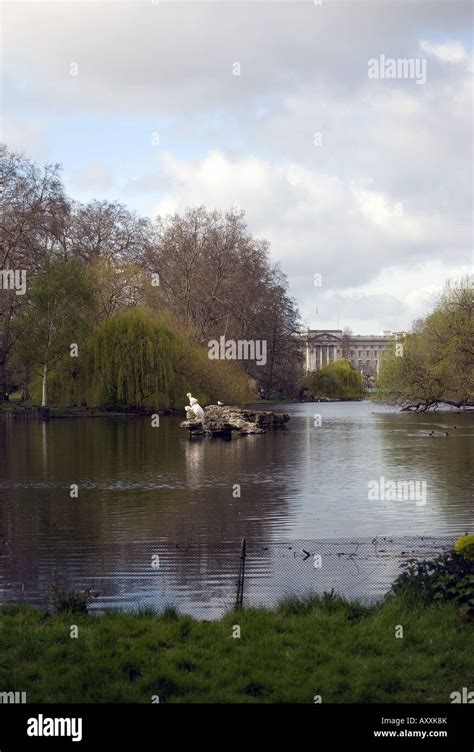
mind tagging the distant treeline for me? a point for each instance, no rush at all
(118, 309)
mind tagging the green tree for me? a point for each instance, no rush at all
(339, 380)
(435, 363)
(55, 316)
(142, 358)
(133, 361)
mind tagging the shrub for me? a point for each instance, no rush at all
(74, 601)
(464, 546)
(449, 577)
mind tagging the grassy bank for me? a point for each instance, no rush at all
(343, 652)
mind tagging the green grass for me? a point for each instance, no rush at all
(15, 396)
(343, 652)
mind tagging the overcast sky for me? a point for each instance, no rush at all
(379, 203)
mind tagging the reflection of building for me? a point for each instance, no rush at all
(323, 346)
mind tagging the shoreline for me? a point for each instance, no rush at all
(19, 409)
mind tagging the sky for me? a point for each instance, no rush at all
(361, 184)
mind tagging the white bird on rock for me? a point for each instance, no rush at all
(194, 410)
(198, 411)
(221, 404)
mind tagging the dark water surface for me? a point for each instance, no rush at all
(147, 492)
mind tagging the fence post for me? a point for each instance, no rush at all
(240, 582)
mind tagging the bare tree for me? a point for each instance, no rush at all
(107, 230)
(218, 279)
(32, 206)
(346, 342)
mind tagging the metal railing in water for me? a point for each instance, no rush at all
(206, 578)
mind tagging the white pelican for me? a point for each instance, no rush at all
(194, 409)
(221, 404)
(198, 411)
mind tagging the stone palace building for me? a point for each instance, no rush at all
(323, 346)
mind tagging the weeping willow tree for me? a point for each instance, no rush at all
(131, 362)
(142, 359)
(339, 380)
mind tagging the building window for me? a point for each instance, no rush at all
(368, 353)
(360, 353)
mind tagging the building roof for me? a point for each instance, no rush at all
(354, 337)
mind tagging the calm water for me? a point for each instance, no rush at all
(147, 492)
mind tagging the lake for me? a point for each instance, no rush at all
(158, 519)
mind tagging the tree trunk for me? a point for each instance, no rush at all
(3, 382)
(25, 387)
(44, 388)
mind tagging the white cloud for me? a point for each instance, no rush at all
(382, 209)
(449, 52)
(146, 56)
(348, 232)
